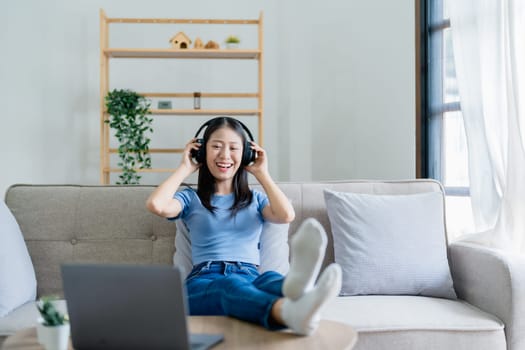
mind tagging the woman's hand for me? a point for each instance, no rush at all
(260, 165)
(187, 161)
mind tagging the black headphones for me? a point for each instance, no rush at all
(248, 154)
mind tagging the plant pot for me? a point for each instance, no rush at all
(52, 337)
(232, 45)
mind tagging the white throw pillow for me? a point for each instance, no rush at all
(390, 244)
(274, 250)
(17, 276)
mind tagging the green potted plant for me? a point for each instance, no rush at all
(128, 113)
(52, 325)
(232, 42)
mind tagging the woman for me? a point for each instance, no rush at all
(225, 218)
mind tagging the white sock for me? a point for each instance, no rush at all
(308, 246)
(303, 315)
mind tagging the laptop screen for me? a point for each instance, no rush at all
(126, 306)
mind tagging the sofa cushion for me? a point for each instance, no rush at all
(17, 276)
(274, 249)
(416, 322)
(371, 313)
(390, 244)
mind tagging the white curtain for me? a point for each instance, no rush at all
(489, 51)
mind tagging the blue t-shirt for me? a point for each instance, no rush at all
(221, 237)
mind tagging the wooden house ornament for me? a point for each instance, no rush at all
(180, 41)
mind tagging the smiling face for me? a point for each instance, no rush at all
(223, 156)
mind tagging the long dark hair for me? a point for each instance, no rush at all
(206, 182)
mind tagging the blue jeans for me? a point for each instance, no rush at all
(234, 289)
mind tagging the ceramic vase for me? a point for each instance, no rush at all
(53, 337)
(232, 45)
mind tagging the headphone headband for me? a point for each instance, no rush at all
(229, 119)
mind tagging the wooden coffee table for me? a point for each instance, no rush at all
(237, 335)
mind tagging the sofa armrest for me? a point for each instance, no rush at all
(493, 281)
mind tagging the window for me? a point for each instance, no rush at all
(446, 155)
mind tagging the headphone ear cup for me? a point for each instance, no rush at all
(248, 154)
(200, 154)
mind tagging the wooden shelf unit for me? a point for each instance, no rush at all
(107, 53)
(205, 111)
(187, 53)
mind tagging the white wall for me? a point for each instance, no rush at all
(339, 85)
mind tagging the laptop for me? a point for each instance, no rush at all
(129, 307)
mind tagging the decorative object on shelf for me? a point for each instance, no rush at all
(180, 41)
(164, 105)
(198, 44)
(128, 113)
(232, 42)
(211, 45)
(196, 100)
(52, 326)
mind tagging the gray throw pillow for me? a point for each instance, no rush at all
(390, 244)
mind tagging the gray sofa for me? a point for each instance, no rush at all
(109, 224)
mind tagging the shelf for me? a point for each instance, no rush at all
(188, 53)
(181, 21)
(203, 94)
(155, 150)
(211, 112)
(205, 111)
(152, 170)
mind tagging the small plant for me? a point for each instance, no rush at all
(129, 118)
(52, 317)
(232, 39)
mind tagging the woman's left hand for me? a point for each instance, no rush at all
(260, 165)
